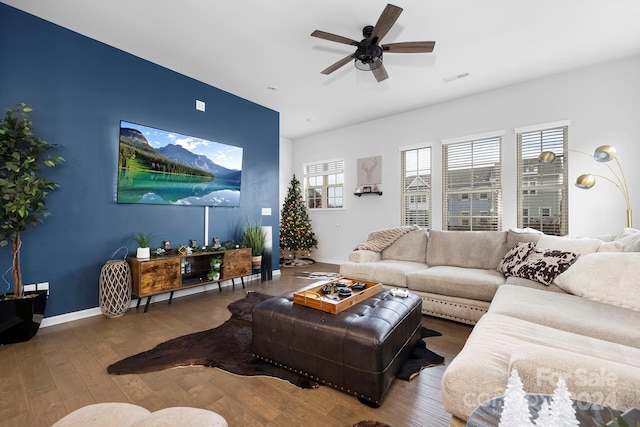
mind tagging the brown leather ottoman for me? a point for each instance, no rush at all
(358, 351)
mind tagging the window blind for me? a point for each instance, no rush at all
(472, 187)
(542, 188)
(416, 187)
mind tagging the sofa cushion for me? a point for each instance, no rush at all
(522, 235)
(574, 314)
(410, 247)
(474, 283)
(578, 245)
(614, 246)
(388, 272)
(519, 281)
(364, 256)
(514, 257)
(544, 265)
(618, 278)
(469, 249)
(481, 370)
(630, 239)
(590, 379)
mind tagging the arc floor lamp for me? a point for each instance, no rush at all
(602, 154)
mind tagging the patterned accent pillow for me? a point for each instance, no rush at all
(515, 257)
(544, 265)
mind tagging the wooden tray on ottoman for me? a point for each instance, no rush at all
(312, 295)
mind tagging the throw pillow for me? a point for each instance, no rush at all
(630, 239)
(515, 257)
(610, 247)
(544, 265)
(578, 245)
(609, 277)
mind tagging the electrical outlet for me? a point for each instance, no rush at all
(200, 105)
(42, 286)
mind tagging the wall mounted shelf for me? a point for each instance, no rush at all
(379, 193)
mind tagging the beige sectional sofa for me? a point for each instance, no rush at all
(454, 272)
(584, 325)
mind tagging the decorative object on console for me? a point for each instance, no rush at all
(144, 240)
(602, 154)
(24, 192)
(215, 264)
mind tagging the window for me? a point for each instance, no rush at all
(416, 186)
(542, 188)
(472, 192)
(323, 184)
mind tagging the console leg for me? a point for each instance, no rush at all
(219, 287)
(138, 305)
(146, 306)
(170, 297)
(233, 283)
(242, 280)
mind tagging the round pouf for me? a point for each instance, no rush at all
(182, 416)
(115, 288)
(109, 414)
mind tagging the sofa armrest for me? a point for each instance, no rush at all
(364, 256)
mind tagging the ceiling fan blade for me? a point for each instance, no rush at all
(388, 17)
(333, 37)
(409, 47)
(380, 73)
(338, 64)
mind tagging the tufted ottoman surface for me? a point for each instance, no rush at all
(358, 351)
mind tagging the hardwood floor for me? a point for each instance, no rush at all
(64, 368)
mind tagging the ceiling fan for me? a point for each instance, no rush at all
(368, 54)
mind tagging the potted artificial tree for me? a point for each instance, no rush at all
(24, 192)
(255, 238)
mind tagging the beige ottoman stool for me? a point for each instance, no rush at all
(104, 415)
(182, 416)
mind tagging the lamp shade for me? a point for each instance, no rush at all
(368, 63)
(547, 157)
(604, 153)
(585, 181)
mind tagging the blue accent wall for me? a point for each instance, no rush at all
(80, 89)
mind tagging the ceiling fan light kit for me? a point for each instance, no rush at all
(368, 54)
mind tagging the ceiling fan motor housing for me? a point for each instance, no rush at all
(368, 53)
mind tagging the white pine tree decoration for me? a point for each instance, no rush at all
(564, 415)
(515, 410)
(545, 416)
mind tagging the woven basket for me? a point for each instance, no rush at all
(115, 288)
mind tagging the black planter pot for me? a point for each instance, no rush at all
(20, 318)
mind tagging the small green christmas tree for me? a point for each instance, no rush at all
(295, 226)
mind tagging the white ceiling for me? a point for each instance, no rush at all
(246, 46)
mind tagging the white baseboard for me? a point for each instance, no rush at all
(90, 312)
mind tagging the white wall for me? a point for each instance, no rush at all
(602, 102)
(286, 167)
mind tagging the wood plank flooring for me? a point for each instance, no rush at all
(64, 368)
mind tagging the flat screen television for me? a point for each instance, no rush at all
(160, 167)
